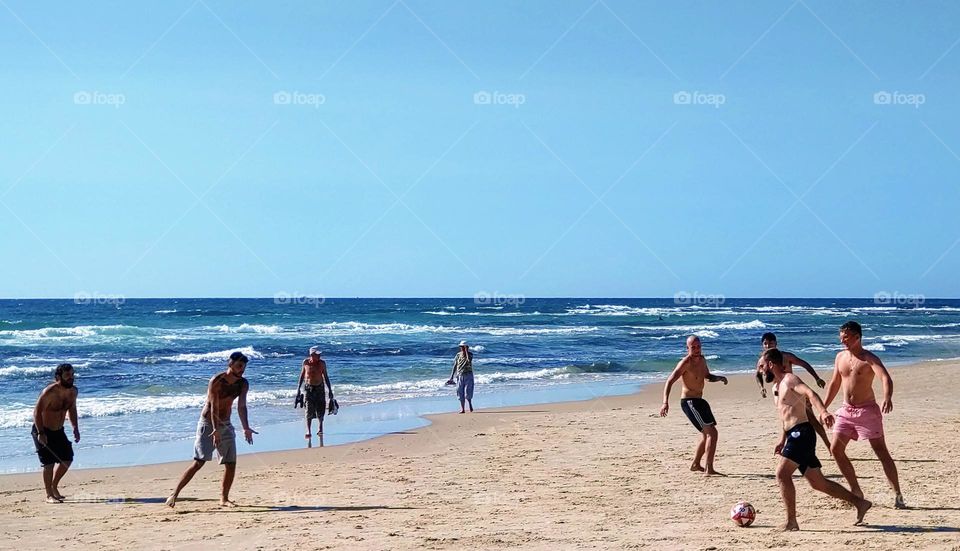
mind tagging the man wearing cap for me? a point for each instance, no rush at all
(313, 372)
(463, 370)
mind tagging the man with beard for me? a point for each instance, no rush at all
(56, 401)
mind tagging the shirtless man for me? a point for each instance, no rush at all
(769, 342)
(798, 443)
(860, 417)
(694, 371)
(214, 431)
(313, 371)
(56, 401)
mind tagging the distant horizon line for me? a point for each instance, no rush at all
(95, 297)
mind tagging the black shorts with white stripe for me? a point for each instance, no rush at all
(698, 412)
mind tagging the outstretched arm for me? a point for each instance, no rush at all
(763, 389)
(715, 378)
(825, 417)
(834, 386)
(881, 371)
(74, 418)
(242, 413)
(803, 363)
(677, 373)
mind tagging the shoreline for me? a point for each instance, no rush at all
(409, 414)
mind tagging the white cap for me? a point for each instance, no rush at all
(315, 350)
(463, 343)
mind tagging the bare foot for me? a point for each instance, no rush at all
(697, 468)
(711, 472)
(899, 502)
(461, 411)
(862, 509)
(58, 495)
(52, 499)
(320, 433)
(789, 527)
(171, 502)
(227, 503)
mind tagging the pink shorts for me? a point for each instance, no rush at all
(860, 422)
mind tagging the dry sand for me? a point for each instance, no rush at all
(599, 474)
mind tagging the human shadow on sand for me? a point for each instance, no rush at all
(125, 500)
(898, 460)
(292, 509)
(513, 411)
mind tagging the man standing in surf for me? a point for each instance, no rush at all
(798, 442)
(463, 371)
(215, 431)
(313, 372)
(860, 418)
(694, 372)
(56, 402)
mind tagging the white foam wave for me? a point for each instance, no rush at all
(78, 332)
(221, 356)
(723, 326)
(174, 311)
(256, 328)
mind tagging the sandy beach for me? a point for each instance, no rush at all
(600, 474)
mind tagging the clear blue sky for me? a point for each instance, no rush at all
(400, 184)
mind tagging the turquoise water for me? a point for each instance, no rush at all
(142, 365)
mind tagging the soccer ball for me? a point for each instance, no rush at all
(743, 514)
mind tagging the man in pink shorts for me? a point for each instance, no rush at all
(860, 417)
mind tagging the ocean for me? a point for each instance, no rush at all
(142, 365)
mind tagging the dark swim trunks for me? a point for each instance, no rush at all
(58, 448)
(698, 412)
(316, 401)
(800, 447)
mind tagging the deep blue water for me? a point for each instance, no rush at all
(142, 365)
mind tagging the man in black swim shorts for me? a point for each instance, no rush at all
(57, 400)
(695, 373)
(798, 443)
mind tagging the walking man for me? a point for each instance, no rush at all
(463, 370)
(313, 372)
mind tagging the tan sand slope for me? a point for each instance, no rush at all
(601, 474)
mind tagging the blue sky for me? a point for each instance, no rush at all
(203, 148)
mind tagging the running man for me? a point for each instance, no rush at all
(694, 371)
(56, 402)
(215, 431)
(798, 443)
(463, 371)
(860, 418)
(313, 372)
(769, 342)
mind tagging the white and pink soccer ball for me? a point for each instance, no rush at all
(743, 514)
